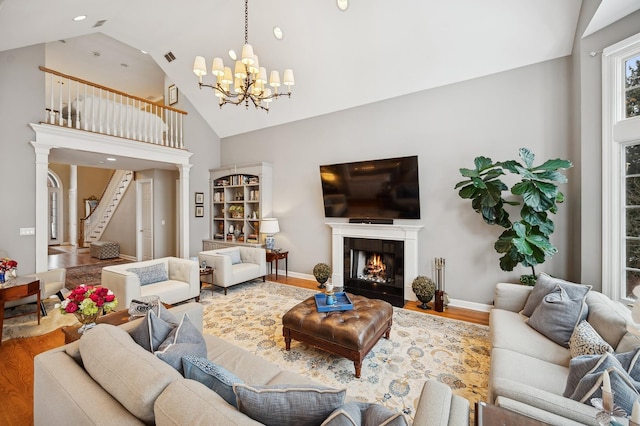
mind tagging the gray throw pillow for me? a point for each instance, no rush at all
(364, 414)
(185, 339)
(585, 378)
(288, 405)
(151, 274)
(152, 331)
(586, 341)
(234, 255)
(545, 284)
(213, 376)
(558, 315)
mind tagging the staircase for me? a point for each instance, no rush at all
(95, 224)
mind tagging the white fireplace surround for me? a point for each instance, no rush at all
(395, 232)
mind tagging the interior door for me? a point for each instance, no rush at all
(144, 208)
(55, 216)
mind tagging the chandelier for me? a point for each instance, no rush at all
(248, 81)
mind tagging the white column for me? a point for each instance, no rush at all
(42, 206)
(73, 205)
(183, 202)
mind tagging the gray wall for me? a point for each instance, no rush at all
(447, 128)
(22, 88)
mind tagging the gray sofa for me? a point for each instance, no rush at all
(152, 392)
(529, 371)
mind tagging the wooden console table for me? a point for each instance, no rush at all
(18, 288)
(277, 255)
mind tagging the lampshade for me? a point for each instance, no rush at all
(269, 226)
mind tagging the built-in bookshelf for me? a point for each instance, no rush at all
(240, 198)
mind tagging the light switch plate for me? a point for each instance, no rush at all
(27, 231)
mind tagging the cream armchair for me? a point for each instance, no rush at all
(51, 282)
(180, 281)
(235, 265)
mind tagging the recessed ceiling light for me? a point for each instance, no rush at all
(144, 51)
(111, 159)
(342, 4)
(232, 54)
(80, 18)
(277, 32)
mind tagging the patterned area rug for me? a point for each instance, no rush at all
(421, 347)
(89, 274)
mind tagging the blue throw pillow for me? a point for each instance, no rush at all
(234, 255)
(183, 340)
(151, 274)
(212, 375)
(364, 414)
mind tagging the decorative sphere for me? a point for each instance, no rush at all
(424, 288)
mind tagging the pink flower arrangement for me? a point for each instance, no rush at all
(7, 264)
(89, 300)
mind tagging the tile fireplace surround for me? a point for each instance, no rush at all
(395, 232)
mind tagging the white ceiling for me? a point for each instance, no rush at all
(377, 49)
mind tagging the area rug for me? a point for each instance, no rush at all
(421, 347)
(89, 274)
(27, 325)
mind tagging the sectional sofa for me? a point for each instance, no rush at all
(529, 371)
(129, 385)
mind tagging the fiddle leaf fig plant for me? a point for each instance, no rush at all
(525, 241)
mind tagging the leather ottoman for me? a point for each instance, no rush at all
(105, 249)
(350, 334)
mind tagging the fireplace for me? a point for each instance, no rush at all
(375, 268)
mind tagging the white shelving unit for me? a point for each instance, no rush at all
(240, 197)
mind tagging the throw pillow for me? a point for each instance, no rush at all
(285, 405)
(545, 284)
(234, 255)
(183, 340)
(557, 316)
(364, 414)
(151, 274)
(213, 376)
(586, 341)
(152, 331)
(585, 378)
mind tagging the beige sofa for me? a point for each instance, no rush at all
(182, 281)
(235, 265)
(529, 372)
(65, 393)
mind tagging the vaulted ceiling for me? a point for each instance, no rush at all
(375, 50)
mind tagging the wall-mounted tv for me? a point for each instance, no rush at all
(385, 189)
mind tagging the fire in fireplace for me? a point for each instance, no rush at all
(374, 268)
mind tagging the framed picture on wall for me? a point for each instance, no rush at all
(199, 211)
(173, 94)
(199, 197)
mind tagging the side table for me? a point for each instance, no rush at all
(277, 255)
(15, 289)
(204, 273)
(488, 414)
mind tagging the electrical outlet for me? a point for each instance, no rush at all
(27, 231)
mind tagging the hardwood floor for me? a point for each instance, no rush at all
(16, 367)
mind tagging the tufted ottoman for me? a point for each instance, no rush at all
(350, 334)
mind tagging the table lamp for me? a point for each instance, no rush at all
(269, 226)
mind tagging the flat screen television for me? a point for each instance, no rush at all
(374, 189)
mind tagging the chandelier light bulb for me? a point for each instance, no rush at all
(227, 78)
(200, 67)
(288, 78)
(217, 68)
(274, 79)
(247, 54)
(262, 76)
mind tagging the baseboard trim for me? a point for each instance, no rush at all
(127, 257)
(470, 305)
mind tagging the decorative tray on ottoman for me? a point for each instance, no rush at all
(343, 303)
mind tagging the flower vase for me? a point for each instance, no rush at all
(87, 321)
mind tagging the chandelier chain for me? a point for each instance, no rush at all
(246, 21)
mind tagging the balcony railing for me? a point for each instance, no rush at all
(79, 104)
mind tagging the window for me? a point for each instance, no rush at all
(621, 168)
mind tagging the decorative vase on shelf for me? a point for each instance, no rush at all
(87, 321)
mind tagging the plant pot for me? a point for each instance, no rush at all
(321, 281)
(424, 298)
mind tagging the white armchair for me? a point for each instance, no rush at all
(51, 282)
(181, 281)
(235, 265)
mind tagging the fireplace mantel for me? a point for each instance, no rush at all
(396, 232)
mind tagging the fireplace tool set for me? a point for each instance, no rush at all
(442, 299)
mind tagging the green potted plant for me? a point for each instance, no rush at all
(525, 241)
(424, 288)
(322, 272)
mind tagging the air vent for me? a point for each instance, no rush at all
(99, 23)
(170, 57)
